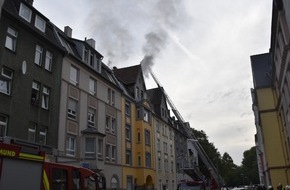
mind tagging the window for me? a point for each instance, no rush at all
(148, 159)
(59, 178)
(92, 60)
(42, 136)
(91, 117)
(128, 132)
(31, 133)
(38, 55)
(86, 55)
(159, 163)
(45, 97)
(35, 93)
(108, 147)
(48, 61)
(3, 125)
(92, 86)
(158, 144)
(147, 137)
(113, 125)
(107, 123)
(146, 115)
(6, 81)
(139, 160)
(70, 145)
(127, 108)
(111, 97)
(40, 23)
(113, 153)
(128, 157)
(11, 39)
(73, 75)
(25, 12)
(90, 148)
(72, 109)
(166, 165)
(165, 147)
(100, 148)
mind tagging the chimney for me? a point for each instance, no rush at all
(30, 2)
(68, 31)
(91, 42)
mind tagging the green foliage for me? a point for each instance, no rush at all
(232, 174)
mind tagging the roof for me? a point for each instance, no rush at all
(155, 95)
(262, 70)
(128, 75)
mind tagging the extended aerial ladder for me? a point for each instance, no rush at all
(202, 154)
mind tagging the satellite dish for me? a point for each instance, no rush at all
(24, 67)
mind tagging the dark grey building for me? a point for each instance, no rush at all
(30, 74)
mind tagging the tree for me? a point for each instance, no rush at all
(250, 166)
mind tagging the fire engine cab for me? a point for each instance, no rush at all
(24, 167)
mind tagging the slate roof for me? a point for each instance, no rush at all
(261, 69)
(128, 75)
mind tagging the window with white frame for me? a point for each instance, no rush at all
(91, 117)
(72, 108)
(40, 23)
(70, 145)
(45, 97)
(146, 115)
(31, 133)
(92, 62)
(11, 39)
(38, 55)
(86, 55)
(90, 148)
(3, 125)
(100, 148)
(111, 97)
(113, 126)
(42, 136)
(92, 86)
(74, 75)
(6, 81)
(48, 61)
(108, 123)
(25, 12)
(35, 93)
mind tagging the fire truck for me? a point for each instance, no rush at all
(25, 167)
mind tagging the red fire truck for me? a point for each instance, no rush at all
(26, 168)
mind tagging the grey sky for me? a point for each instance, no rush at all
(201, 58)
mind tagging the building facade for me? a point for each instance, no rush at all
(30, 63)
(271, 100)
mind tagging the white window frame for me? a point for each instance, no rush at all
(42, 135)
(113, 125)
(72, 109)
(6, 81)
(48, 60)
(35, 91)
(74, 75)
(100, 148)
(25, 12)
(11, 39)
(92, 86)
(91, 117)
(38, 55)
(70, 145)
(40, 23)
(90, 152)
(31, 133)
(45, 97)
(114, 152)
(3, 125)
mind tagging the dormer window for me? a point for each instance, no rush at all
(25, 12)
(40, 23)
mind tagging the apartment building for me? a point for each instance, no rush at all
(138, 130)
(90, 110)
(30, 69)
(271, 100)
(164, 140)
